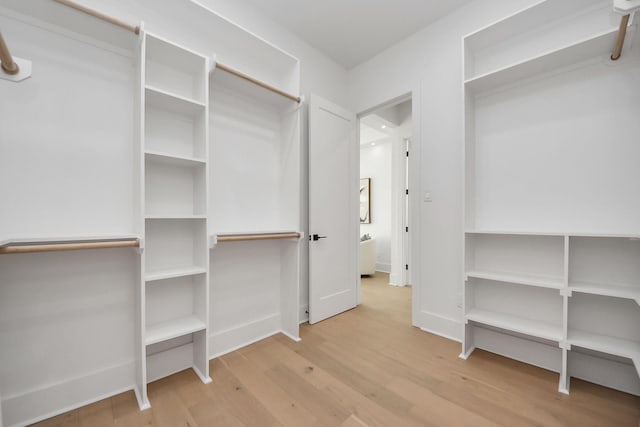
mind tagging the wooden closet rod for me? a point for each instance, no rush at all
(8, 64)
(622, 33)
(100, 15)
(257, 82)
(245, 237)
(70, 246)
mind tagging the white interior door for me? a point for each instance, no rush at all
(333, 210)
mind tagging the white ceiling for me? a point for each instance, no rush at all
(352, 31)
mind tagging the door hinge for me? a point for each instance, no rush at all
(407, 154)
(406, 191)
(406, 266)
(406, 229)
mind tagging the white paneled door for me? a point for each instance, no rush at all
(333, 210)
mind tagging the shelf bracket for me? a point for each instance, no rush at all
(626, 7)
(214, 63)
(12, 68)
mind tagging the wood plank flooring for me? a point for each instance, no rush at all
(366, 367)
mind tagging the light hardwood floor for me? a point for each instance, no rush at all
(366, 367)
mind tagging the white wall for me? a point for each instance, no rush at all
(76, 114)
(319, 75)
(375, 163)
(430, 63)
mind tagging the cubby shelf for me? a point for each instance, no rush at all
(177, 160)
(606, 344)
(171, 102)
(534, 328)
(537, 82)
(174, 216)
(597, 46)
(173, 273)
(174, 158)
(173, 329)
(618, 291)
(541, 282)
(551, 233)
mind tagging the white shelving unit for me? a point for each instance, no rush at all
(255, 185)
(540, 94)
(174, 292)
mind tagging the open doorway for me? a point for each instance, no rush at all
(385, 143)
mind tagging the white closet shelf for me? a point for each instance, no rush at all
(552, 234)
(593, 47)
(534, 328)
(173, 329)
(617, 291)
(160, 157)
(541, 282)
(171, 102)
(174, 273)
(606, 344)
(50, 14)
(175, 216)
(516, 233)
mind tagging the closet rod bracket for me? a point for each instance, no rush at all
(24, 71)
(12, 68)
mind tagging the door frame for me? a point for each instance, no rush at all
(414, 193)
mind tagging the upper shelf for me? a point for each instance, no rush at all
(545, 26)
(209, 32)
(599, 46)
(49, 13)
(607, 344)
(617, 291)
(171, 102)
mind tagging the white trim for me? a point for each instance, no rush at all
(383, 267)
(18, 409)
(303, 316)
(440, 325)
(231, 339)
(413, 93)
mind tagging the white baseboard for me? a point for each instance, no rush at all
(228, 340)
(395, 280)
(169, 362)
(303, 316)
(383, 267)
(55, 399)
(440, 325)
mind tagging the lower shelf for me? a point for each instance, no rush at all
(606, 344)
(516, 324)
(542, 282)
(173, 329)
(617, 291)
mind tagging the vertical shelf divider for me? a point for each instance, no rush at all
(173, 296)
